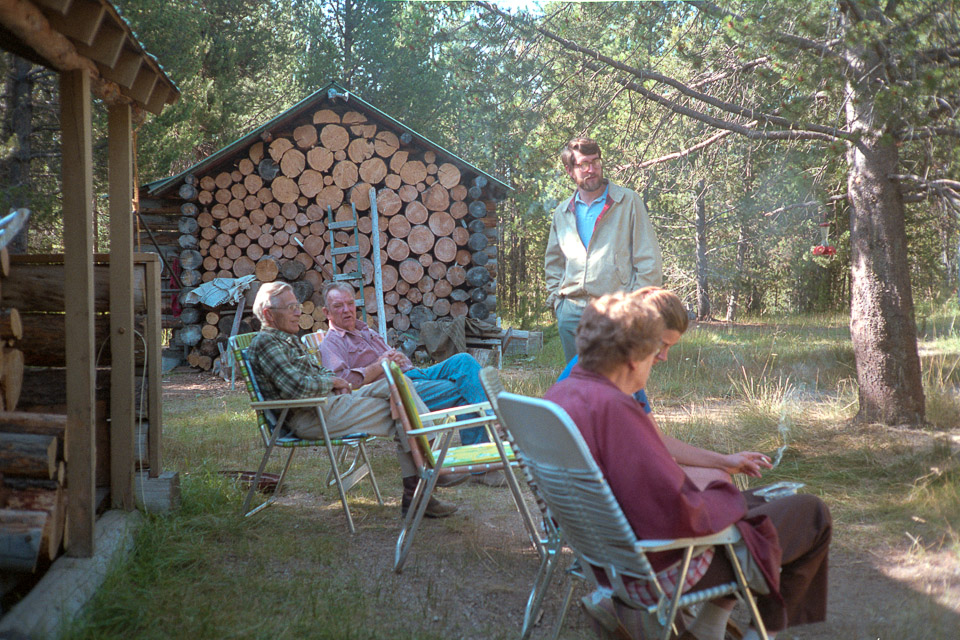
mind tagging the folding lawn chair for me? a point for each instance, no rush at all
(311, 342)
(273, 434)
(546, 538)
(579, 499)
(441, 459)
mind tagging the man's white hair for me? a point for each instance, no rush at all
(266, 296)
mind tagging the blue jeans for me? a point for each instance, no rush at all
(452, 383)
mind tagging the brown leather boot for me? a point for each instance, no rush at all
(436, 508)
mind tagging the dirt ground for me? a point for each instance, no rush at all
(901, 592)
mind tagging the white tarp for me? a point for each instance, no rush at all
(219, 291)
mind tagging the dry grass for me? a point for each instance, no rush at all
(294, 572)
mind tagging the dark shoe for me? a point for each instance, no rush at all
(436, 508)
(452, 479)
(489, 479)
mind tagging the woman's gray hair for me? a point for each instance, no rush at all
(617, 328)
(266, 295)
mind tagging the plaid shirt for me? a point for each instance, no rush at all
(283, 368)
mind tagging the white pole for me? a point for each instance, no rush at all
(377, 277)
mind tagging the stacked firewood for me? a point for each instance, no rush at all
(32, 471)
(32, 476)
(11, 357)
(268, 215)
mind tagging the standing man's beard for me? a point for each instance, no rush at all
(592, 183)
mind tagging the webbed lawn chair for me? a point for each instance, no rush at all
(271, 415)
(579, 499)
(311, 342)
(439, 458)
(546, 538)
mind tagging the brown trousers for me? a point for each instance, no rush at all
(804, 528)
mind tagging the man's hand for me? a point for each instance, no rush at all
(341, 387)
(396, 357)
(746, 462)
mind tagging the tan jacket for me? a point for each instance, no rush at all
(624, 254)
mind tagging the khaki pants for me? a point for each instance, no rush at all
(366, 410)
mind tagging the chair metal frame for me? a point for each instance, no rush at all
(546, 538)
(271, 429)
(592, 523)
(431, 459)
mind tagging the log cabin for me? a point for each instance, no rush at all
(68, 431)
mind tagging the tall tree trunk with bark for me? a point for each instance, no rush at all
(703, 293)
(882, 324)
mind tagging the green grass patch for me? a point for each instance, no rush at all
(293, 571)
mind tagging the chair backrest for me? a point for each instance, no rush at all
(493, 387)
(311, 342)
(574, 489)
(238, 344)
(419, 445)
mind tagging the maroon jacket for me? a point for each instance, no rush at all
(656, 496)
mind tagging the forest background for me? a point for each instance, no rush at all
(738, 209)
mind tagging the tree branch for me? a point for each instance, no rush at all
(823, 48)
(684, 152)
(940, 55)
(926, 132)
(793, 131)
(803, 205)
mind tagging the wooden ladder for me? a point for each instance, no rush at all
(349, 250)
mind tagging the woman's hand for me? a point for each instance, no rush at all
(746, 462)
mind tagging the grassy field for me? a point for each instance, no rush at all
(293, 571)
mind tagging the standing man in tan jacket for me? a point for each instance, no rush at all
(601, 241)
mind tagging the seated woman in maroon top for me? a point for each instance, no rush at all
(618, 338)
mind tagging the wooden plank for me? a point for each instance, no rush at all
(122, 392)
(154, 343)
(107, 46)
(28, 277)
(143, 86)
(81, 23)
(60, 6)
(125, 71)
(158, 98)
(78, 293)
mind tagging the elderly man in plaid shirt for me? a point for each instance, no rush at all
(285, 370)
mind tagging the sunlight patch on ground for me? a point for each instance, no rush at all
(935, 574)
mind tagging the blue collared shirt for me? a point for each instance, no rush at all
(587, 214)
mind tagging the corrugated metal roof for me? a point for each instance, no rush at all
(330, 91)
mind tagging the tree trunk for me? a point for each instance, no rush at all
(734, 299)
(703, 297)
(882, 324)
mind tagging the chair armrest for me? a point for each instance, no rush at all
(467, 408)
(450, 426)
(727, 536)
(295, 403)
